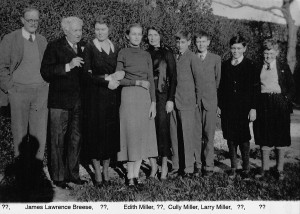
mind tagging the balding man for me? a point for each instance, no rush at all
(21, 83)
(62, 67)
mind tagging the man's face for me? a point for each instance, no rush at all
(202, 44)
(237, 50)
(182, 44)
(74, 33)
(30, 21)
(270, 55)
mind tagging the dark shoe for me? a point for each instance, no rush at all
(187, 175)
(62, 184)
(279, 175)
(138, 182)
(131, 182)
(208, 173)
(232, 174)
(262, 174)
(98, 184)
(78, 181)
(197, 172)
(245, 174)
(106, 182)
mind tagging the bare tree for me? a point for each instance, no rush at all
(292, 29)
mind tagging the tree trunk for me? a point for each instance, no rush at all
(292, 43)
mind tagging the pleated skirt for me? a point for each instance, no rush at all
(137, 132)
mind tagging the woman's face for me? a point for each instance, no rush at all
(237, 50)
(153, 38)
(270, 55)
(135, 36)
(101, 32)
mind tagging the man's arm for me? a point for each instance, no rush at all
(218, 70)
(5, 51)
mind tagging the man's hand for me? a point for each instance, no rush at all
(169, 106)
(143, 83)
(113, 84)
(218, 112)
(76, 62)
(152, 110)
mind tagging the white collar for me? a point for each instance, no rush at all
(26, 34)
(272, 64)
(97, 43)
(71, 44)
(203, 54)
(239, 59)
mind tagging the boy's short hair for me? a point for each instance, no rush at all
(183, 34)
(137, 25)
(238, 39)
(201, 34)
(270, 44)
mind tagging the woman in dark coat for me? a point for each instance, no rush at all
(272, 127)
(101, 100)
(165, 78)
(236, 97)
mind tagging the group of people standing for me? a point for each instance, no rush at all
(139, 104)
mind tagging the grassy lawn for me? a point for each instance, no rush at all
(216, 187)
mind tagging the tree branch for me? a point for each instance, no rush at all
(239, 4)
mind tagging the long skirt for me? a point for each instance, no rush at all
(272, 125)
(137, 131)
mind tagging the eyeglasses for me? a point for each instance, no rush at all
(32, 21)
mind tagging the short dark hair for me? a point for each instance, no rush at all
(201, 34)
(238, 39)
(102, 19)
(183, 34)
(29, 9)
(132, 26)
(270, 44)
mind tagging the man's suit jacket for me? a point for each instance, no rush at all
(210, 75)
(11, 55)
(187, 82)
(64, 88)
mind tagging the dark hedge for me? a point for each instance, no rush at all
(221, 29)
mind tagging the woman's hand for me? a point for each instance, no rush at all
(218, 112)
(152, 111)
(252, 115)
(143, 83)
(169, 106)
(113, 84)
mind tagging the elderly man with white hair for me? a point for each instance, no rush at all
(62, 67)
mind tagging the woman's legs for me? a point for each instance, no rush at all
(153, 165)
(232, 146)
(97, 167)
(136, 168)
(105, 169)
(164, 168)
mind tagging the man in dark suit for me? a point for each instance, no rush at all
(62, 67)
(210, 74)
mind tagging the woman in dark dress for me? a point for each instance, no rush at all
(101, 100)
(236, 99)
(272, 127)
(165, 79)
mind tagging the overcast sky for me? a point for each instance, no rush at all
(249, 13)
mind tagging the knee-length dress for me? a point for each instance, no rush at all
(236, 97)
(165, 79)
(101, 139)
(137, 131)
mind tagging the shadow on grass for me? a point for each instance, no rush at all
(25, 180)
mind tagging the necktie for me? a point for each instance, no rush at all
(179, 56)
(268, 66)
(75, 48)
(235, 62)
(30, 38)
(201, 56)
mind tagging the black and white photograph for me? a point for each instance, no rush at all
(150, 106)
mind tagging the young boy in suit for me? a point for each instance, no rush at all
(183, 117)
(210, 74)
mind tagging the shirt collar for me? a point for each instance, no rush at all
(98, 45)
(272, 64)
(203, 54)
(70, 43)
(239, 59)
(26, 34)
